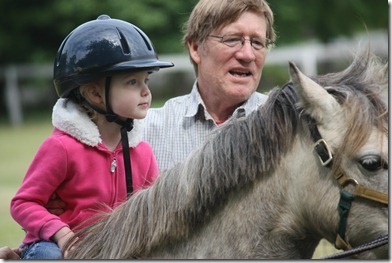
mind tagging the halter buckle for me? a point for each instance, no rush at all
(323, 151)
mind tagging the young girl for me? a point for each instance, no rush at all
(95, 157)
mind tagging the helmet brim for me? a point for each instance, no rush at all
(153, 65)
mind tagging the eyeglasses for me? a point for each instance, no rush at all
(236, 41)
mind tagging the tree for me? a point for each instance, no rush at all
(327, 19)
(32, 31)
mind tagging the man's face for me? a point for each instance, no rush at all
(231, 74)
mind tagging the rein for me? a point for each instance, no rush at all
(382, 241)
(326, 157)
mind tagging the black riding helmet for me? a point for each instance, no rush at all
(100, 48)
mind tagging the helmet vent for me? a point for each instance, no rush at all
(60, 51)
(124, 43)
(146, 41)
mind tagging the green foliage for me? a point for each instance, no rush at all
(32, 31)
(327, 19)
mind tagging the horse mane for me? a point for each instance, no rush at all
(191, 192)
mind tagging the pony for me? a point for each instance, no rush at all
(270, 185)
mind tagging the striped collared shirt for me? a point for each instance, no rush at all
(183, 124)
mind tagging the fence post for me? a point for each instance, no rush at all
(12, 96)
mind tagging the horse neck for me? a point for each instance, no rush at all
(311, 195)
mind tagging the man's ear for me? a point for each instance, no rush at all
(194, 51)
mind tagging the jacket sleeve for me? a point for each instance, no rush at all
(46, 172)
(153, 171)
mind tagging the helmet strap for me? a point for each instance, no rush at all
(127, 159)
(109, 114)
(126, 126)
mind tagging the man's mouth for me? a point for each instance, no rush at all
(240, 73)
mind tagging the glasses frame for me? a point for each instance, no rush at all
(269, 44)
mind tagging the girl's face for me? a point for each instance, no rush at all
(130, 96)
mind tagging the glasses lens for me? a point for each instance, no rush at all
(257, 43)
(232, 41)
(237, 40)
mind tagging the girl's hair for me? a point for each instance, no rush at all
(209, 15)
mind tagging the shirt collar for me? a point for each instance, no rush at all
(195, 102)
(196, 105)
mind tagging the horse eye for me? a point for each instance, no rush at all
(373, 163)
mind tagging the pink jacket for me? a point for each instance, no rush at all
(74, 163)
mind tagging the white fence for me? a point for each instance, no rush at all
(306, 55)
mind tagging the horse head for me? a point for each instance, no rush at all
(348, 121)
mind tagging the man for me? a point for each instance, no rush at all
(227, 41)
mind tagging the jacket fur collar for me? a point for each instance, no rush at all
(73, 120)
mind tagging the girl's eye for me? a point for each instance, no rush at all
(132, 82)
(146, 81)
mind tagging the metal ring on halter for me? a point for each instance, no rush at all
(350, 181)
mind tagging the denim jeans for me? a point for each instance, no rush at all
(41, 250)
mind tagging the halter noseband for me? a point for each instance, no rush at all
(326, 157)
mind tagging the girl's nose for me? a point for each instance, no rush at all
(145, 90)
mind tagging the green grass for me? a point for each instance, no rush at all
(18, 146)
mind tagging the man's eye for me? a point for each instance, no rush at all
(258, 43)
(232, 40)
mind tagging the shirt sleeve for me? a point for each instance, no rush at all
(153, 172)
(144, 166)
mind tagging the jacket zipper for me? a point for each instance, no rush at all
(113, 165)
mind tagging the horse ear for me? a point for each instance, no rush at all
(315, 100)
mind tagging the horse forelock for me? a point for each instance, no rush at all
(359, 89)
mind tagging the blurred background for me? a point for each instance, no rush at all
(320, 36)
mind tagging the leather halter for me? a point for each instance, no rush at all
(326, 157)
